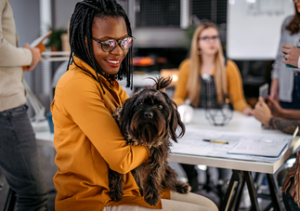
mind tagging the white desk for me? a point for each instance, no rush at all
(242, 169)
(239, 123)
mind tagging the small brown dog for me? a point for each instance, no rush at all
(150, 118)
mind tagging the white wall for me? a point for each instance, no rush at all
(253, 28)
(62, 12)
(27, 23)
(27, 18)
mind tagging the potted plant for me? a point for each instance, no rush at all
(54, 40)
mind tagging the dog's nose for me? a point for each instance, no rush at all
(148, 114)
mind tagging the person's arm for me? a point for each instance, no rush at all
(278, 111)
(235, 88)
(181, 87)
(285, 125)
(274, 89)
(11, 55)
(83, 105)
(290, 114)
(262, 112)
(36, 57)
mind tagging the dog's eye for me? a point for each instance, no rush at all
(141, 104)
(159, 106)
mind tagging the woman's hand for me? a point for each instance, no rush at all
(275, 107)
(291, 54)
(36, 56)
(262, 112)
(274, 90)
(248, 111)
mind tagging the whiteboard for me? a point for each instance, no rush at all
(253, 28)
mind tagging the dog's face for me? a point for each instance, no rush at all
(150, 117)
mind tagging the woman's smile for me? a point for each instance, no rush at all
(114, 62)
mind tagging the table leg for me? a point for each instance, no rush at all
(236, 176)
(251, 190)
(273, 193)
(238, 197)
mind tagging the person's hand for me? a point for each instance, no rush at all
(291, 54)
(275, 107)
(36, 56)
(262, 112)
(248, 111)
(274, 90)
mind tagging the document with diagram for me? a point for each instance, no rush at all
(259, 146)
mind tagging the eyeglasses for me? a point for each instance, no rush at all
(207, 38)
(110, 44)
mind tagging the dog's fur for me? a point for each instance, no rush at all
(150, 118)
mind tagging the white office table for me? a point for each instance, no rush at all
(240, 124)
(241, 169)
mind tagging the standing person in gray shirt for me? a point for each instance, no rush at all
(19, 158)
(285, 86)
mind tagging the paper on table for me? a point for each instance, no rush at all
(192, 144)
(266, 147)
(38, 43)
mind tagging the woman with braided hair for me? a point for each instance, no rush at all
(87, 139)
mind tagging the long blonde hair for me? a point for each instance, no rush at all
(194, 85)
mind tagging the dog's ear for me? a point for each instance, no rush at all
(126, 113)
(174, 120)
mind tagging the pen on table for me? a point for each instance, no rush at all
(215, 141)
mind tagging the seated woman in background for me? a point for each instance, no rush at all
(207, 63)
(206, 59)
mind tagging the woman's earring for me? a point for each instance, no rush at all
(199, 52)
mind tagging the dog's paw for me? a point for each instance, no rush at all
(152, 199)
(183, 188)
(116, 196)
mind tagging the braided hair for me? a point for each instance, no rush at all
(81, 28)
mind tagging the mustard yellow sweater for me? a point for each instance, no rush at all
(234, 83)
(88, 141)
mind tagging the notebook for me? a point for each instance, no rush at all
(258, 147)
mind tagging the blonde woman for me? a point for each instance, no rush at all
(207, 63)
(206, 59)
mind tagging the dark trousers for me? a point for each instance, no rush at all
(20, 160)
(192, 175)
(295, 104)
